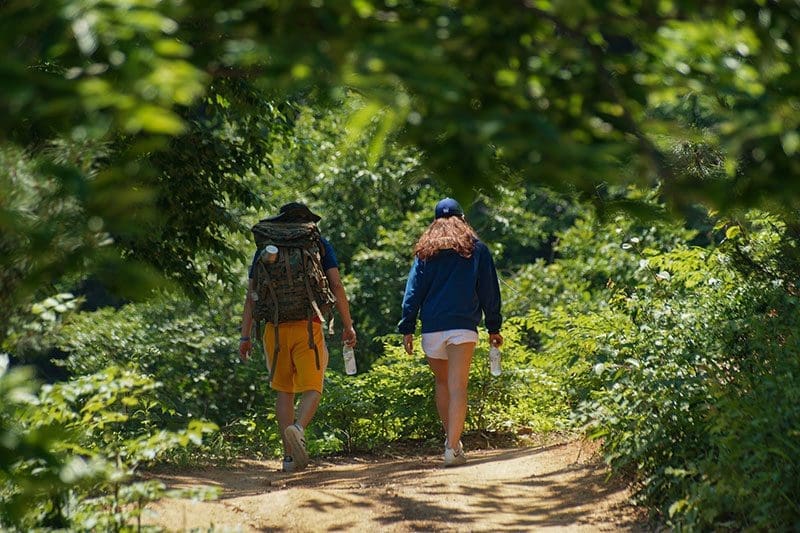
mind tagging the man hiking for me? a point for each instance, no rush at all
(293, 281)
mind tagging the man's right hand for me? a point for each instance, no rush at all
(349, 336)
(244, 350)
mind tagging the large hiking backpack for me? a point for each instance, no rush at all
(293, 286)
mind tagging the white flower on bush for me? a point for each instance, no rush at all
(663, 276)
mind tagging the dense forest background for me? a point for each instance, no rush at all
(633, 168)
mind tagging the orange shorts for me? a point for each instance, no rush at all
(296, 366)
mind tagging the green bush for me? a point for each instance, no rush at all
(192, 350)
(684, 362)
(395, 399)
(392, 401)
(72, 452)
(184, 347)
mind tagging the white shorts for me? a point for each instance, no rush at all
(435, 344)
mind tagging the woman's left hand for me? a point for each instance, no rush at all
(408, 343)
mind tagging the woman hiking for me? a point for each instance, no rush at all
(451, 285)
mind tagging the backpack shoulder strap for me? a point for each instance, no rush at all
(306, 258)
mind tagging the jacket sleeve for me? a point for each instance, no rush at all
(489, 290)
(416, 289)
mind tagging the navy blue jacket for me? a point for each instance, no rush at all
(450, 292)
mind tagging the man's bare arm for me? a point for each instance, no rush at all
(342, 305)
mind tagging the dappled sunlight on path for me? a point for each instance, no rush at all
(521, 489)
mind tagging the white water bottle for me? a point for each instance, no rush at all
(494, 361)
(349, 359)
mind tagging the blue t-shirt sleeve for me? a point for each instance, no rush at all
(329, 261)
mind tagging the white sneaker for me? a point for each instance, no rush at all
(295, 439)
(454, 457)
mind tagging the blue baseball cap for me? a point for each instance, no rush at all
(448, 208)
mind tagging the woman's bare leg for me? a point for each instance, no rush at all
(439, 367)
(459, 358)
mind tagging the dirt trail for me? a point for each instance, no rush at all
(555, 487)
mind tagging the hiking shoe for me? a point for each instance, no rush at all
(288, 464)
(454, 457)
(296, 441)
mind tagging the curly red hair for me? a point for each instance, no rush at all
(450, 233)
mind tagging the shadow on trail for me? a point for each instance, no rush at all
(517, 489)
(564, 497)
(250, 478)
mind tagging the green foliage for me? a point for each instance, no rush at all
(204, 180)
(22, 446)
(164, 108)
(166, 217)
(530, 393)
(47, 229)
(395, 399)
(560, 93)
(181, 346)
(104, 66)
(191, 350)
(136, 139)
(373, 215)
(71, 453)
(683, 363)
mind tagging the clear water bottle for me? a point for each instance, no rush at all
(349, 360)
(494, 361)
